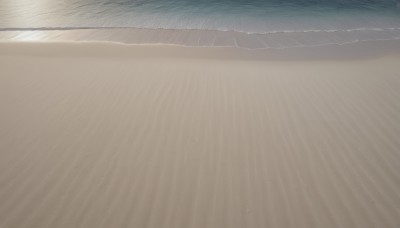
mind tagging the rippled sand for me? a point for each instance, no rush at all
(127, 136)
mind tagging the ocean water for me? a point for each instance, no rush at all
(252, 24)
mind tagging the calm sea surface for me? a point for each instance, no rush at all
(243, 23)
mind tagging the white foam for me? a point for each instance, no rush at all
(204, 38)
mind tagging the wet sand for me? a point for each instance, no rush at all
(107, 135)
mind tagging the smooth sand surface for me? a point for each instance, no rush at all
(134, 136)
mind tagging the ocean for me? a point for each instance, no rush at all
(256, 24)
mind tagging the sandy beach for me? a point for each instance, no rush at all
(111, 135)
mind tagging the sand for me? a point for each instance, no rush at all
(107, 135)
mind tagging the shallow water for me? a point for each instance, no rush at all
(254, 24)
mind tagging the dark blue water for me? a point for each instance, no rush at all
(318, 22)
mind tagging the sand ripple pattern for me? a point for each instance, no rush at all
(190, 143)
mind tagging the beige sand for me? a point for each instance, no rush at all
(127, 136)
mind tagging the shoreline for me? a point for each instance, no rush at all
(354, 51)
(208, 38)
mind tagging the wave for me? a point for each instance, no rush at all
(203, 37)
(189, 29)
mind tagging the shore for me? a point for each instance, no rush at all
(111, 135)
